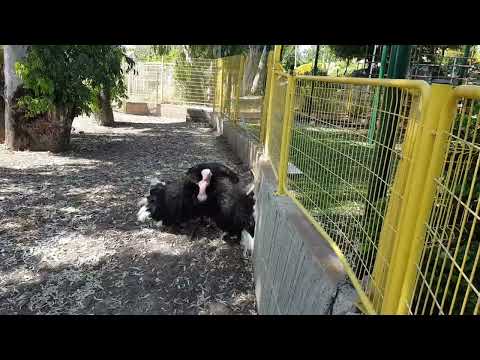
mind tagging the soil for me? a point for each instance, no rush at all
(70, 242)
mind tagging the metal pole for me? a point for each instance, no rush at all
(371, 128)
(401, 61)
(388, 124)
(391, 62)
(372, 61)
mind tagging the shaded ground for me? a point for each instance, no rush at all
(69, 241)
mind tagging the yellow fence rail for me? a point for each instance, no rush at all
(388, 173)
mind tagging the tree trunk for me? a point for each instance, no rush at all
(2, 120)
(261, 72)
(187, 53)
(346, 68)
(217, 51)
(251, 68)
(46, 132)
(2, 100)
(105, 116)
(12, 53)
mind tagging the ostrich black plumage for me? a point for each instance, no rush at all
(207, 189)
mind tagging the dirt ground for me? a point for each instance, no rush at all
(70, 243)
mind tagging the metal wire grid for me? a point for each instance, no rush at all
(176, 83)
(266, 99)
(277, 108)
(454, 70)
(343, 177)
(230, 92)
(255, 125)
(447, 278)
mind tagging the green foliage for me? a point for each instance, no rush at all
(208, 51)
(198, 51)
(334, 60)
(69, 76)
(434, 53)
(288, 57)
(348, 52)
(305, 69)
(147, 53)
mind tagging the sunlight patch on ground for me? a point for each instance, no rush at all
(72, 249)
(18, 276)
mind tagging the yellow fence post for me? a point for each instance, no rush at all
(386, 243)
(443, 104)
(276, 59)
(411, 213)
(277, 51)
(286, 136)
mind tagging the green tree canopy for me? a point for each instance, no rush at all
(348, 52)
(199, 51)
(70, 76)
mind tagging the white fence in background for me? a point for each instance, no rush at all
(182, 82)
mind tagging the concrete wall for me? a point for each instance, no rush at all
(244, 145)
(296, 271)
(171, 111)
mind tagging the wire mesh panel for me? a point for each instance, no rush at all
(277, 108)
(253, 107)
(342, 174)
(448, 281)
(193, 82)
(230, 87)
(266, 99)
(181, 82)
(427, 65)
(142, 85)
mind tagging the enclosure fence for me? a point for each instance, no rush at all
(387, 171)
(228, 99)
(229, 77)
(181, 82)
(446, 280)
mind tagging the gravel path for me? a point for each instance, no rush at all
(69, 241)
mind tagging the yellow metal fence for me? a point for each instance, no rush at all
(342, 177)
(227, 93)
(388, 173)
(447, 280)
(246, 112)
